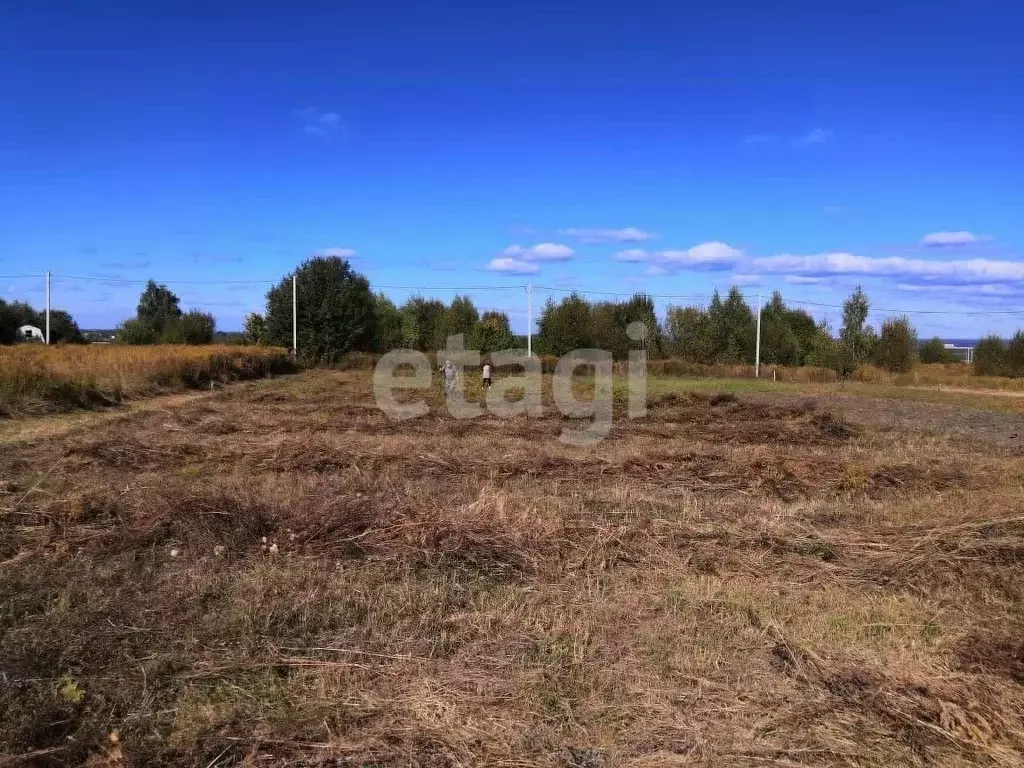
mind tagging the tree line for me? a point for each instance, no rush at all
(159, 319)
(338, 313)
(725, 332)
(16, 314)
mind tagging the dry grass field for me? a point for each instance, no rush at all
(276, 574)
(38, 379)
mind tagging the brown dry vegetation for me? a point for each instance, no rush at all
(39, 379)
(277, 574)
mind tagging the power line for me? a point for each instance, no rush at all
(620, 293)
(126, 281)
(518, 287)
(450, 288)
(129, 281)
(915, 311)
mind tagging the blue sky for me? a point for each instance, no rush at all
(665, 147)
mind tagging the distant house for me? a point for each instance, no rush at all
(98, 337)
(30, 333)
(964, 353)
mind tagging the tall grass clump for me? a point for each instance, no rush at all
(39, 379)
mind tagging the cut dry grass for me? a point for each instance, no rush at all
(277, 575)
(35, 378)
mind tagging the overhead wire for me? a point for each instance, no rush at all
(514, 287)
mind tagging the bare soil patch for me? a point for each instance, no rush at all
(967, 421)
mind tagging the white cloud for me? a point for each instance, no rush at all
(711, 255)
(741, 280)
(317, 123)
(655, 271)
(942, 239)
(625, 235)
(996, 290)
(804, 280)
(341, 253)
(633, 254)
(951, 272)
(703, 257)
(817, 136)
(512, 266)
(540, 252)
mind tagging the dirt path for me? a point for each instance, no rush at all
(58, 425)
(967, 391)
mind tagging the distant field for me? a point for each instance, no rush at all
(932, 375)
(40, 379)
(277, 574)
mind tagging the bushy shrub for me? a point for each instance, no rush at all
(934, 351)
(896, 349)
(989, 357)
(1013, 363)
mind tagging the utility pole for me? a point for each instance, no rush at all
(757, 344)
(529, 319)
(47, 306)
(295, 315)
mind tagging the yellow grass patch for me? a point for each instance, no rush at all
(36, 378)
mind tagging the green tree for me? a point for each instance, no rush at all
(989, 357)
(387, 324)
(22, 313)
(460, 316)
(824, 350)
(779, 342)
(804, 329)
(856, 338)
(734, 328)
(1013, 364)
(64, 329)
(606, 329)
(135, 330)
(8, 323)
(156, 320)
(158, 306)
(934, 351)
(639, 308)
(193, 327)
(609, 321)
(715, 313)
(421, 324)
(492, 333)
(564, 326)
(255, 329)
(335, 310)
(690, 334)
(896, 350)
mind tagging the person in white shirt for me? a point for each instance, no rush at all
(487, 375)
(451, 374)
